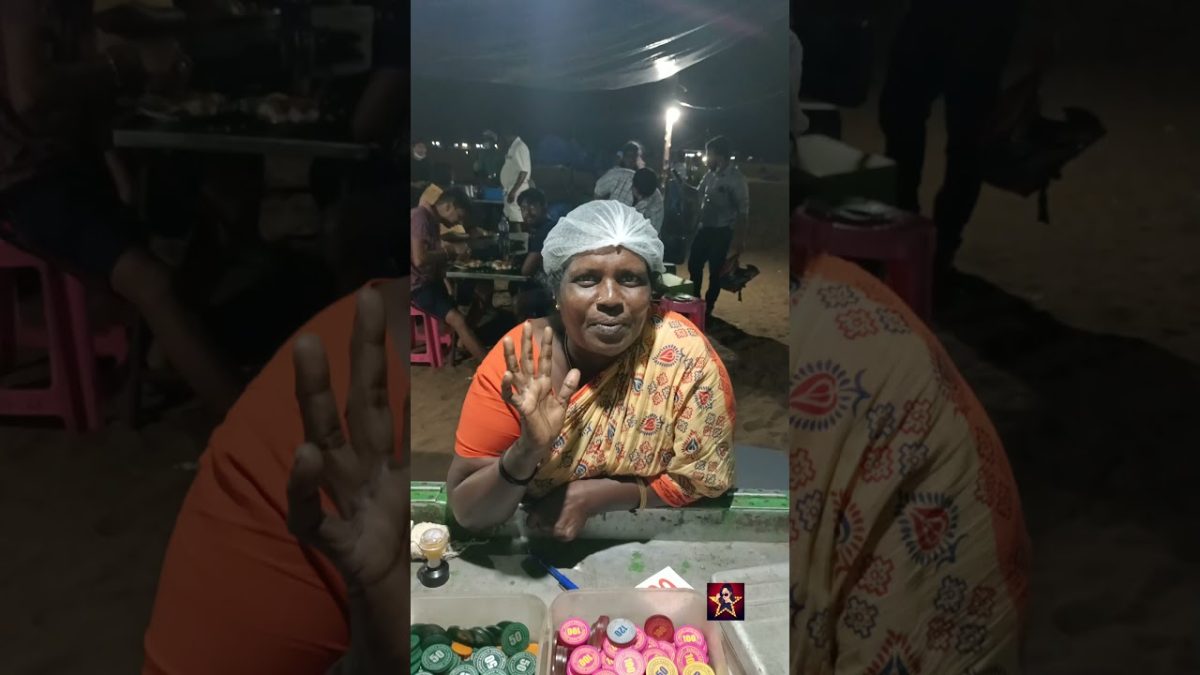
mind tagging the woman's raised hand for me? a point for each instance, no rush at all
(530, 391)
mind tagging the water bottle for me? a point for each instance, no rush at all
(502, 229)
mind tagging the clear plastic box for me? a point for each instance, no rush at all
(682, 605)
(483, 610)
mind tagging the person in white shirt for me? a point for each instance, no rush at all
(515, 175)
(648, 199)
(617, 182)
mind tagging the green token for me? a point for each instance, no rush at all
(514, 639)
(435, 639)
(489, 658)
(438, 659)
(463, 669)
(522, 663)
(415, 640)
(494, 633)
(481, 638)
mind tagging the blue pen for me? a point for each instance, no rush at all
(562, 579)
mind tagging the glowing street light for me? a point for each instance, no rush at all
(671, 117)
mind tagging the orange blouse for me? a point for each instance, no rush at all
(238, 595)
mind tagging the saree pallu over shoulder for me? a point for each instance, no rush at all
(909, 551)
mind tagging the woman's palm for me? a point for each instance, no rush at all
(543, 411)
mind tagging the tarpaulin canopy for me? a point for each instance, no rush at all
(579, 45)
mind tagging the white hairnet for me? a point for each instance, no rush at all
(597, 225)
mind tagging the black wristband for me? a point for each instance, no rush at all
(509, 478)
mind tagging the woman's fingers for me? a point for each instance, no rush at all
(318, 407)
(506, 388)
(367, 412)
(547, 355)
(527, 349)
(306, 518)
(510, 355)
(569, 386)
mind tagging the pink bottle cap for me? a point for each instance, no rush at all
(573, 632)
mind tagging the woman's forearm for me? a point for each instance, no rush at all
(378, 624)
(622, 494)
(484, 499)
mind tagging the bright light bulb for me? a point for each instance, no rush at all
(672, 115)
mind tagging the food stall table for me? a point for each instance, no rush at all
(744, 530)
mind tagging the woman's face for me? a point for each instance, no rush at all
(604, 300)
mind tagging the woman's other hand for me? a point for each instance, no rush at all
(530, 392)
(563, 512)
(368, 538)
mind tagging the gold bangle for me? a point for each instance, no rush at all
(642, 496)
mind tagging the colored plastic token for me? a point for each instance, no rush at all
(698, 669)
(435, 639)
(669, 648)
(630, 662)
(462, 650)
(653, 652)
(660, 627)
(606, 671)
(639, 639)
(661, 665)
(621, 632)
(574, 632)
(610, 650)
(584, 660)
(687, 655)
(533, 648)
(690, 635)
(522, 663)
(463, 669)
(480, 637)
(515, 638)
(489, 658)
(438, 659)
(415, 641)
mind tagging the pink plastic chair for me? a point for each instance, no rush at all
(905, 246)
(73, 393)
(426, 330)
(692, 309)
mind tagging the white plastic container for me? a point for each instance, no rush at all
(468, 611)
(682, 606)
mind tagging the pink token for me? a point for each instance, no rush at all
(667, 647)
(652, 652)
(688, 655)
(610, 649)
(606, 671)
(650, 643)
(630, 662)
(690, 635)
(573, 632)
(639, 639)
(607, 661)
(585, 660)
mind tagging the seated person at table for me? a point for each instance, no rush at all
(533, 299)
(647, 198)
(57, 198)
(610, 405)
(238, 594)
(429, 292)
(617, 182)
(908, 544)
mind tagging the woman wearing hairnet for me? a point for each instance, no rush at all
(609, 404)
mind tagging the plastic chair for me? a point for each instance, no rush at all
(693, 309)
(426, 329)
(73, 392)
(906, 247)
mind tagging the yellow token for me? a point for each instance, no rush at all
(661, 665)
(532, 648)
(697, 668)
(460, 649)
